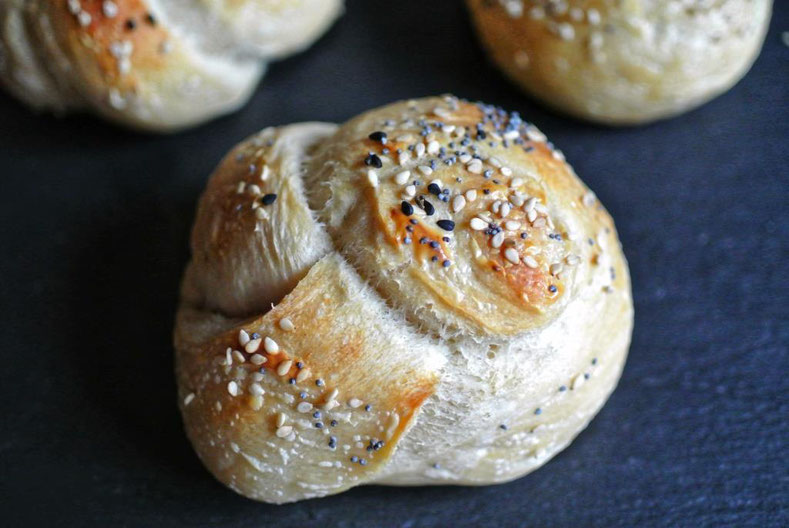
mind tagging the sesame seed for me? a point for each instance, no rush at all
(458, 203)
(378, 136)
(475, 166)
(284, 431)
(189, 398)
(477, 224)
(268, 199)
(109, 8)
(530, 261)
(354, 403)
(284, 367)
(232, 388)
(303, 375)
(552, 288)
(373, 161)
(512, 255)
(257, 359)
(410, 190)
(402, 177)
(446, 225)
(304, 407)
(238, 356)
(270, 346)
(538, 411)
(407, 208)
(372, 178)
(497, 240)
(243, 337)
(252, 345)
(286, 324)
(424, 169)
(256, 389)
(433, 147)
(471, 195)
(281, 419)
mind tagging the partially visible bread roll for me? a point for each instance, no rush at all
(427, 294)
(158, 65)
(623, 61)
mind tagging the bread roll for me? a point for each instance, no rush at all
(158, 65)
(427, 294)
(623, 62)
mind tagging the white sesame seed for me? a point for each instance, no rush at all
(529, 205)
(402, 177)
(540, 222)
(496, 206)
(458, 203)
(189, 398)
(252, 345)
(515, 182)
(256, 389)
(572, 260)
(281, 419)
(372, 177)
(304, 407)
(511, 134)
(74, 6)
(448, 129)
(505, 209)
(578, 381)
(109, 8)
(391, 427)
(497, 240)
(556, 268)
(441, 112)
(228, 357)
(465, 158)
(403, 158)
(238, 356)
(332, 395)
(593, 15)
(419, 150)
(254, 190)
(531, 215)
(471, 195)
(424, 169)
(540, 208)
(286, 324)
(241, 187)
(260, 213)
(354, 403)
(534, 134)
(433, 147)
(270, 346)
(512, 225)
(303, 375)
(588, 199)
(284, 367)
(512, 255)
(218, 405)
(410, 190)
(84, 18)
(232, 388)
(265, 172)
(257, 359)
(517, 200)
(477, 224)
(256, 403)
(284, 431)
(475, 166)
(530, 261)
(243, 337)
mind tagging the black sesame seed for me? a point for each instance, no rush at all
(333, 423)
(373, 161)
(562, 388)
(303, 395)
(292, 381)
(433, 188)
(150, 19)
(503, 427)
(552, 288)
(363, 462)
(131, 24)
(319, 382)
(354, 459)
(299, 364)
(446, 263)
(434, 258)
(319, 425)
(429, 209)
(434, 244)
(255, 335)
(316, 414)
(446, 225)
(537, 411)
(368, 407)
(378, 136)
(445, 239)
(407, 208)
(268, 199)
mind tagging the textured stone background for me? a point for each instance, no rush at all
(94, 224)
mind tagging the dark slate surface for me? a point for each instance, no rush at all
(94, 223)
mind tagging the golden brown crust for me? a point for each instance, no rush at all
(622, 62)
(150, 64)
(474, 372)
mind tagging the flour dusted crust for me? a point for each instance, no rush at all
(426, 294)
(623, 61)
(157, 65)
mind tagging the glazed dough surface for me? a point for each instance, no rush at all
(450, 304)
(623, 61)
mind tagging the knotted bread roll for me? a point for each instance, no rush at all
(623, 61)
(427, 294)
(157, 65)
